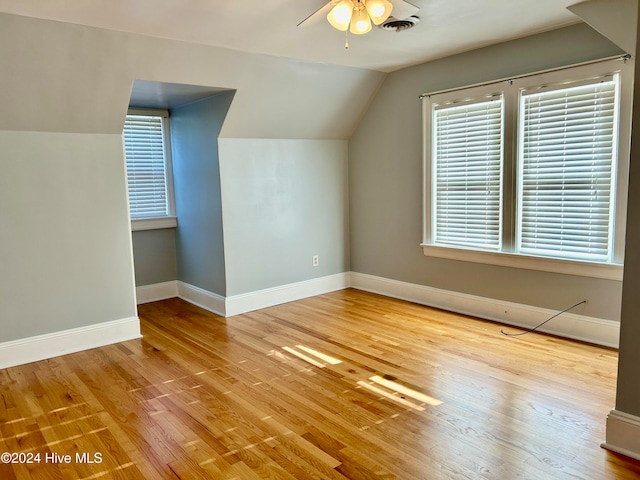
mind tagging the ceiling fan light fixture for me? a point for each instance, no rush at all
(360, 22)
(379, 10)
(340, 16)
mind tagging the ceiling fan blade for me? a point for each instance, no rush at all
(318, 15)
(402, 9)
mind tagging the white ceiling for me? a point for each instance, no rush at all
(270, 26)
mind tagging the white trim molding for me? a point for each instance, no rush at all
(606, 271)
(42, 347)
(247, 302)
(570, 325)
(202, 298)
(156, 291)
(578, 327)
(623, 434)
(139, 224)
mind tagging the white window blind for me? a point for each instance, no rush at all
(566, 171)
(467, 171)
(146, 166)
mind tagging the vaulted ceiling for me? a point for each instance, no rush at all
(270, 26)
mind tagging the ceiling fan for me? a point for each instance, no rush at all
(357, 15)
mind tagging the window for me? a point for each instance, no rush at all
(566, 167)
(531, 173)
(148, 170)
(467, 153)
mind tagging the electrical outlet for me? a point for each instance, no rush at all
(315, 260)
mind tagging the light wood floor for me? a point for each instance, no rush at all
(344, 385)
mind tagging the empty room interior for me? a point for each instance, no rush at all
(296, 239)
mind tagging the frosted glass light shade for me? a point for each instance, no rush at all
(340, 15)
(360, 22)
(379, 10)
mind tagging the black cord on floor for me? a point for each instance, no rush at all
(538, 326)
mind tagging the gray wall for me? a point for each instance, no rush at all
(628, 391)
(65, 245)
(65, 248)
(283, 202)
(196, 171)
(154, 256)
(385, 171)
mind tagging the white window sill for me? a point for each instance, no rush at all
(604, 271)
(153, 223)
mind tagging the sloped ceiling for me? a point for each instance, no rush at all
(60, 77)
(145, 94)
(270, 27)
(615, 19)
(291, 82)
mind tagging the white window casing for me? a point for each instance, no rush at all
(467, 173)
(564, 154)
(566, 171)
(149, 170)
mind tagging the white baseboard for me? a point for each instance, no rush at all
(569, 325)
(248, 302)
(269, 297)
(202, 298)
(578, 327)
(623, 434)
(156, 292)
(41, 347)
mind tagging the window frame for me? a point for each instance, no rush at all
(469, 228)
(595, 89)
(169, 220)
(510, 89)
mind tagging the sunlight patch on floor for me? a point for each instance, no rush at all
(405, 390)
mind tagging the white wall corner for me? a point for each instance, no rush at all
(156, 292)
(41, 347)
(247, 302)
(202, 298)
(578, 327)
(623, 434)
